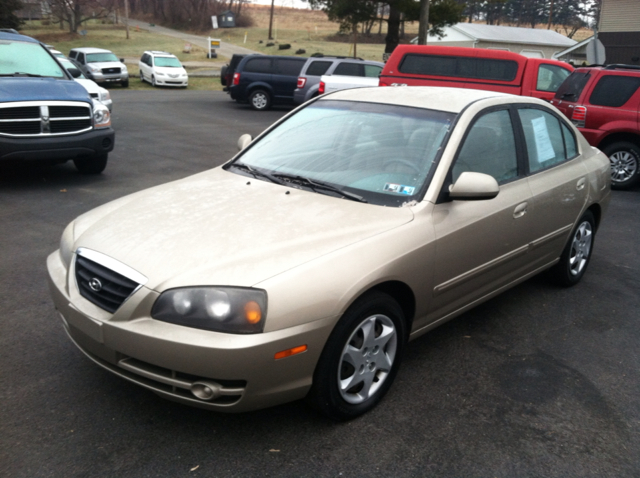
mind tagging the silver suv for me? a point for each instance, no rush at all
(315, 67)
(99, 65)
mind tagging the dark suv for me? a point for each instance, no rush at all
(316, 67)
(263, 80)
(604, 103)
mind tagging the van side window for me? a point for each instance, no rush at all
(545, 142)
(459, 67)
(372, 71)
(318, 68)
(550, 77)
(258, 65)
(614, 91)
(288, 67)
(489, 148)
(349, 69)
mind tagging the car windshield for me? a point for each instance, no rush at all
(167, 61)
(28, 59)
(385, 154)
(101, 57)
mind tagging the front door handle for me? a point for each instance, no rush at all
(580, 184)
(520, 210)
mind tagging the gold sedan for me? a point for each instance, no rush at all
(303, 266)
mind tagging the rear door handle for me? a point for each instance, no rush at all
(520, 210)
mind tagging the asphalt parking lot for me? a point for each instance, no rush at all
(540, 381)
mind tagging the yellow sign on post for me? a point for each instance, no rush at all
(214, 44)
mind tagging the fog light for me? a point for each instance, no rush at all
(206, 390)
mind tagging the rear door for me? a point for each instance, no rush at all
(285, 78)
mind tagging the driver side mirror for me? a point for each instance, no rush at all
(243, 141)
(474, 186)
(74, 72)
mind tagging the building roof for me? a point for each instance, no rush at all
(501, 34)
(573, 48)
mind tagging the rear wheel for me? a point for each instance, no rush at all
(577, 253)
(360, 359)
(91, 164)
(260, 100)
(625, 164)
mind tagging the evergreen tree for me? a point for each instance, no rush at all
(8, 18)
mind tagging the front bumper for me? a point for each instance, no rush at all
(176, 362)
(166, 81)
(57, 148)
(102, 78)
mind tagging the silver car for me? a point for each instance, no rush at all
(99, 65)
(303, 266)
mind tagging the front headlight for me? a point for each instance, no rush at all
(234, 310)
(104, 94)
(101, 116)
(95, 69)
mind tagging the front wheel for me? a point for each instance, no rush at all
(91, 164)
(141, 76)
(577, 253)
(625, 164)
(260, 100)
(360, 359)
(125, 83)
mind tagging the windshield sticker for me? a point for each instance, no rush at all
(543, 141)
(399, 188)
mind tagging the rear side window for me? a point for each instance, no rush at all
(550, 77)
(289, 67)
(349, 69)
(372, 71)
(544, 138)
(459, 67)
(572, 87)
(318, 68)
(258, 65)
(614, 90)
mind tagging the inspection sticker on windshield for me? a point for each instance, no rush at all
(399, 188)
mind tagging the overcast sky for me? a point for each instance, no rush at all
(283, 3)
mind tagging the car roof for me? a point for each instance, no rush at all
(159, 53)
(91, 50)
(452, 100)
(18, 37)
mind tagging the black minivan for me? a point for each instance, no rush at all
(263, 80)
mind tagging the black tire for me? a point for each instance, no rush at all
(91, 164)
(260, 100)
(223, 75)
(372, 367)
(153, 81)
(141, 76)
(125, 83)
(625, 164)
(577, 253)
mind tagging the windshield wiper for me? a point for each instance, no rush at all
(21, 73)
(256, 172)
(318, 186)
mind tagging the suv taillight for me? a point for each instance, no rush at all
(381, 82)
(301, 81)
(579, 116)
(321, 88)
(236, 78)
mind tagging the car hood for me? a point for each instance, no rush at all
(221, 228)
(41, 89)
(89, 85)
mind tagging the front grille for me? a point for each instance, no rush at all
(102, 286)
(45, 118)
(110, 71)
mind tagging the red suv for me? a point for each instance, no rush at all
(604, 103)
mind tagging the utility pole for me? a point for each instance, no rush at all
(423, 29)
(550, 15)
(271, 19)
(126, 16)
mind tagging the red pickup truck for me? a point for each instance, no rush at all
(604, 103)
(481, 69)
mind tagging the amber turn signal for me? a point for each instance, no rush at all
(252, 312)
(288, 353)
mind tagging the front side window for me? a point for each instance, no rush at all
(383, 153)
(550, 77)
(349, 69)
(26, 58)
(101, 57)
(489, 148)
(544, 138)
(614, 91)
